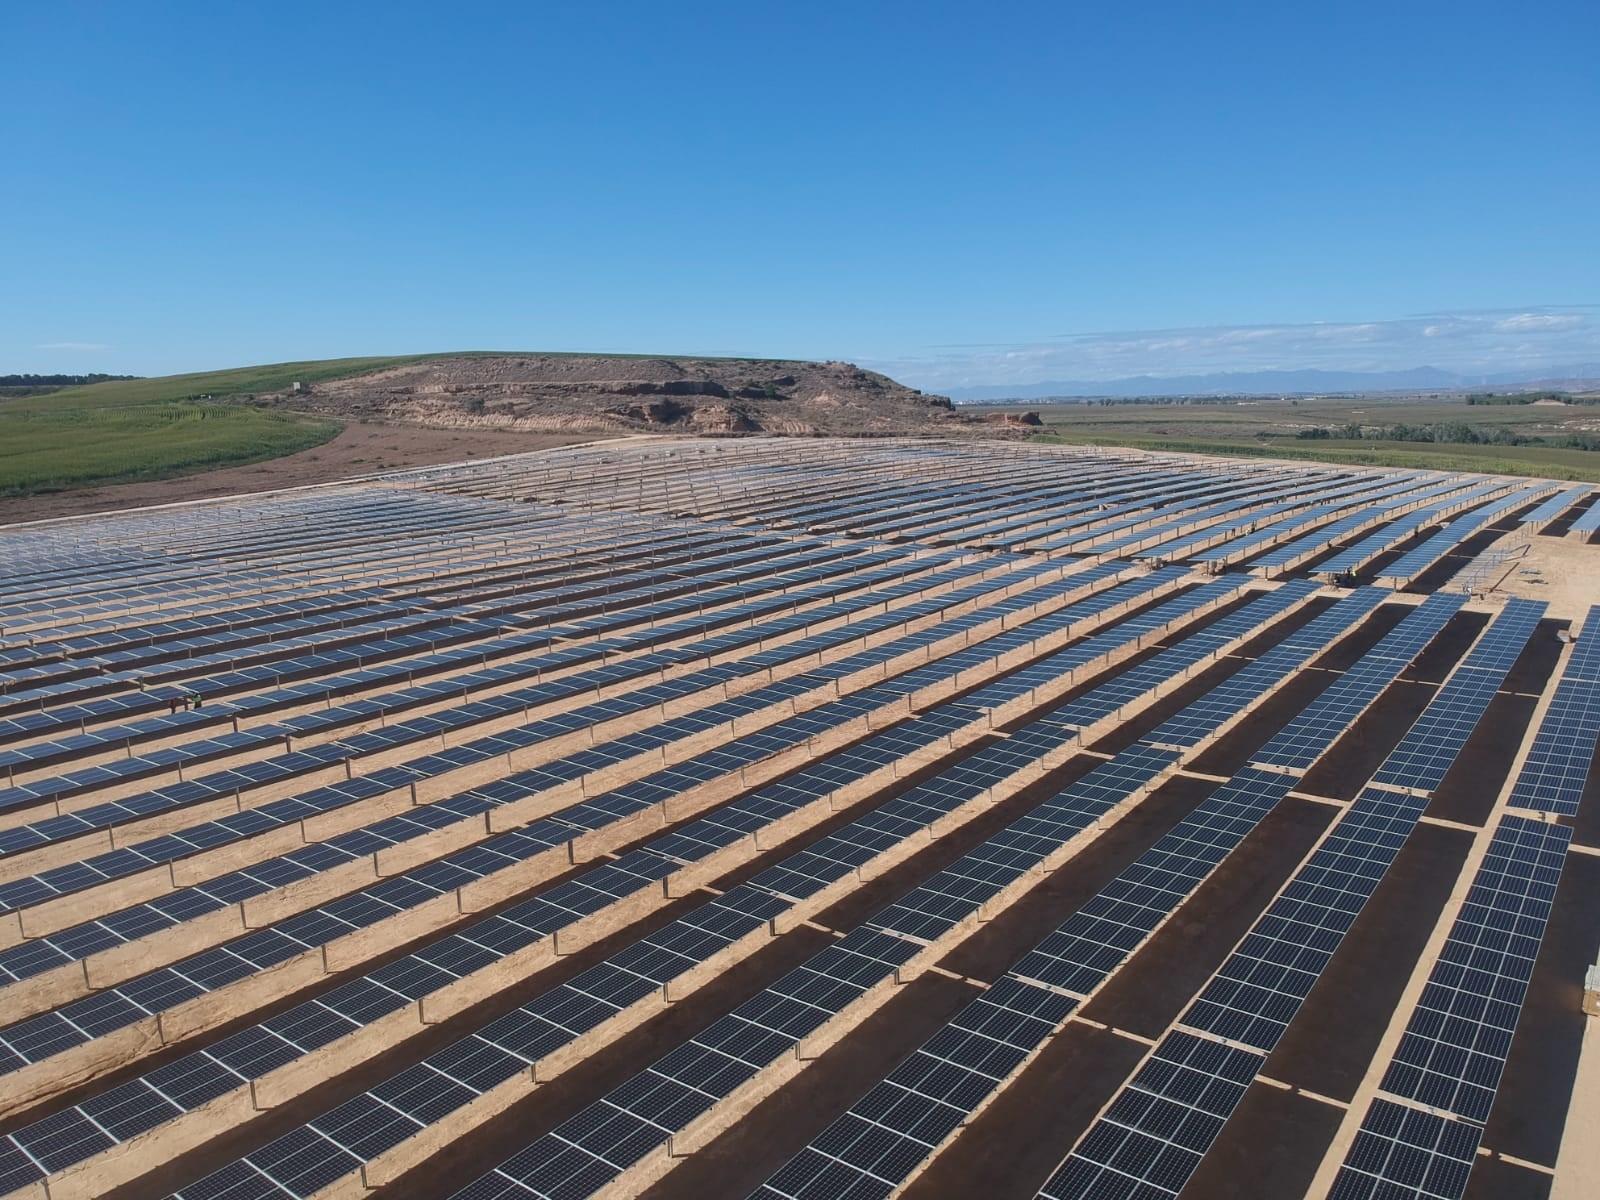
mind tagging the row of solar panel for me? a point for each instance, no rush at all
(134, 645)
(1267, 548)
(345, 545)
(40, 551)
(1306, 504)
(529, 920)
(1101, 529)
(137, 575)
(51, 1032)
(1161, 1123)
(1414, 562)
(1093, 511)
(136, 857)
(165, 725)
(1353, 558)
(553, 604)
(234, 887)
(898, 1125)
(690, 1079)
(569, 1161)
(720, 603)
(1455, 1044)
(156, 699)
(1557, 767)
(452, 723)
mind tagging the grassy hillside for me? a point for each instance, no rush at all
(153, 428)
(140, 429)
(239, 381)
(272, 377)
(50, 450)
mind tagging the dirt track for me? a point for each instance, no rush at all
(359, 449)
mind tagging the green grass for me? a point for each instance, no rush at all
(240, 381)
(1547, 462)
(1265, 429)
(140, 429)
(80, 446)
(273, 377)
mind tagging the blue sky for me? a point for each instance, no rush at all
(960, 193)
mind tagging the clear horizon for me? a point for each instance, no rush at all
(958, 198)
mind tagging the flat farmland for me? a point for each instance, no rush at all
(1269, 427)
(803, 819)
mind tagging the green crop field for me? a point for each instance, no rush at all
(139, 429)
(76, 446)
(1267, 429)
(240, 381)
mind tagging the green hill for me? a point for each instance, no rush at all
(237, 381)
(141, 429)
(134, 429)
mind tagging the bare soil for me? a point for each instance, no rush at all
(1555, 570)
(567, 393)
(361, 448)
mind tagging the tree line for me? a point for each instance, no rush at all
(1529, 398)
(57, 380)
(1455, 433)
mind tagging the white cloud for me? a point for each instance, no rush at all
(1535, 322)
(1485, 343)
(76, 347)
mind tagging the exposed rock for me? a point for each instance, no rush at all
(1014, 420)
(569, 392)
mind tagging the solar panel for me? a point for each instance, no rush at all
(801, 875)
(142, 855)
(481, 640)
(1556, 768)
(1554, 507)
(1415, 562)
(870, 1150)
(1430, 747)
(1404, 1152)
(1587, 521)
(631, 1120)
(1161, 1124)
(1250, 1001)
(1307, 737)
(1456, 1043)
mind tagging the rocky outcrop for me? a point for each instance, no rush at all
(569, 392)
(1022, 420)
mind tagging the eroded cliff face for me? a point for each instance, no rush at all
(571, 393)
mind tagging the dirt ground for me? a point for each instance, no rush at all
(1565, 574)
(360, 449)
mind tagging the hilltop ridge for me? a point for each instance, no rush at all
(602, 393)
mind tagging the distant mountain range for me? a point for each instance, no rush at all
(1280, 383)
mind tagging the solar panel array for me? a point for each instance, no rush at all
(1587, 521)
(1558, 763)
(1157, 1130)
(381, 807)
(1070, 964)
(1454, 1048)
(1555, 506)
